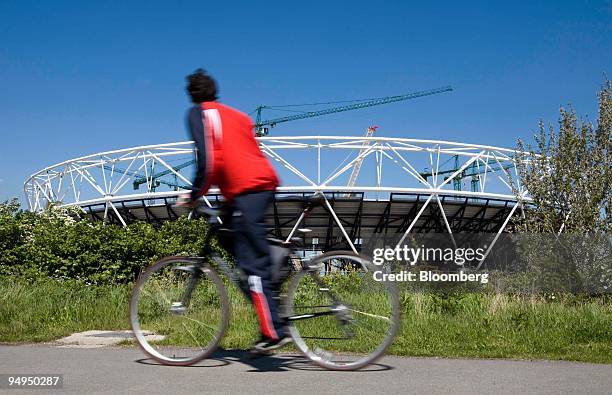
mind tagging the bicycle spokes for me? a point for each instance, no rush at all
(184, 306)
(336, 315)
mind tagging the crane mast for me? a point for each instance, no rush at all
(359, 162)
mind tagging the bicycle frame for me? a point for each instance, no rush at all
(215, 229)
(233, 275)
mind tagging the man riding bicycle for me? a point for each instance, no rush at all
(229, 156)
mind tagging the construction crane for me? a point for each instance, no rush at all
(471, 171)
(359, 162)
(262, 130)
(155, 177)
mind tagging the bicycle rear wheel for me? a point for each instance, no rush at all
(339, 316)
(179, 311)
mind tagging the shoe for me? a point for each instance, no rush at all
(265, 344)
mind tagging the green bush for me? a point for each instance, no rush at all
(58, 244)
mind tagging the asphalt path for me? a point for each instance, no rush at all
(126, 370)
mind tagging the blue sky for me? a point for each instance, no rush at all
(83, 77)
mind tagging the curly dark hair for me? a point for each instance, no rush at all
(201, 87)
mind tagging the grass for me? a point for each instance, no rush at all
(506, 326)
(472, 325)
(45, 310)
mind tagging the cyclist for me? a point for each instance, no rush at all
(229, 156)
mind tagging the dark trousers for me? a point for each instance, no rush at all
(252, 253)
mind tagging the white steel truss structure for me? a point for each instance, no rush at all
(452, 178)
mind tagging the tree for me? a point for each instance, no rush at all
(568, 174)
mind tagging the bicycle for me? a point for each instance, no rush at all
(180, 308)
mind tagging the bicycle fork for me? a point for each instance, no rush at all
(179, 308)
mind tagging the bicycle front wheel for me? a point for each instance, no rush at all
(179, 311)
(339, 316)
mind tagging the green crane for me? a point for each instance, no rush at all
(471, 171)
(262, 130)
(155, 177)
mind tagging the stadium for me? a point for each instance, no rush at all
(373, 185)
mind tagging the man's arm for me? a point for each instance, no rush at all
(196, 129)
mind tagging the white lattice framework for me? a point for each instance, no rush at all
(305, 163)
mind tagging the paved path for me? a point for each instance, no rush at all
(123, 370)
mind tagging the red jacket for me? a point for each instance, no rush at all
(234, 161)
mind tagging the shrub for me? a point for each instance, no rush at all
(58, 244)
